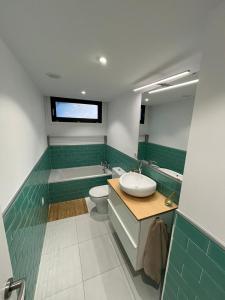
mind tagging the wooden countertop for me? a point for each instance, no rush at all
(142, 208)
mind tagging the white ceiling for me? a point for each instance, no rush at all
(140, 38)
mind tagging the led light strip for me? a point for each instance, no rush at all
(171, 78)
(173, 86)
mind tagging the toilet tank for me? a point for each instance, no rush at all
(117, 172)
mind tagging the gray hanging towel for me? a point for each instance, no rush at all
(156, 249)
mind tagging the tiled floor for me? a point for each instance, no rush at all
(82, 260)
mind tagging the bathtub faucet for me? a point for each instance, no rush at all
(153, 164)
(105, 165)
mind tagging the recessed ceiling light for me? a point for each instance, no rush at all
(103, 60)
(53, 75)
(174, 86)
(83, 92)
(146, 99)
(171, 78)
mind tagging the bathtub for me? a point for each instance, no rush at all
(172, 173)
(68, 174)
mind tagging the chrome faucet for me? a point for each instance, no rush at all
(105, 166)
(153, 163)
(140, 163)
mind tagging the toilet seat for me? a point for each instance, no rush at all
(99, 191)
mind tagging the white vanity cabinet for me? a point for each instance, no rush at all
(131, 231)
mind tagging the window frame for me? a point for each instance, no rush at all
(142, 116)
(75, 101)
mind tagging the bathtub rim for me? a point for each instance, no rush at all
(108, 173)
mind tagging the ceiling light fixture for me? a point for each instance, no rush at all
(146, 99)
(103, 60)
(174, 86)
(167, 79)
(83, 92)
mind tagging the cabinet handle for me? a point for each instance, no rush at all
(123, 226)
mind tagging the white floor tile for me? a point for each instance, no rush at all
(88, 228)
(111, 285)
(141, 290)
(59, 270)
(74, 293)
(97, 256)
(60, 234)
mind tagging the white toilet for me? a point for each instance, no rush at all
(99, 194)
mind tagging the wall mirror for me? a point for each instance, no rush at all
(164, 127)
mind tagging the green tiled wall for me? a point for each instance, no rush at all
(117, 158)
(165, 184)
(142, 150)
(196, 265)
(74, 189)
(76, 156)
(166, 157)
(26, 218)
(25, 222)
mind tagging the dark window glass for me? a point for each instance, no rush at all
(142, 118)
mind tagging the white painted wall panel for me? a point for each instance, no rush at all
(22, 125)
(203, 190)
(123, 123)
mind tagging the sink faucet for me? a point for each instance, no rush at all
(140, 163)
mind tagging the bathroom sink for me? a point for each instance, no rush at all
(137, 185)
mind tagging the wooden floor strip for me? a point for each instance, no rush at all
(67, 209)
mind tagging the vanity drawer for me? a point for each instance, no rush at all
(130, 246)
(129, 221)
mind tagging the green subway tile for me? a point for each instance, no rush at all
(193, 285)
(76, 156)
(202, 276)
(172, 284)
(25, 222)
(166, 157)
(196, 236)
(177, 257)
(118, 159)
(207, 263)
(181, 295)
(211, 288)
(191, 267)
(180, 238)
(68, 190)
(170, 293)
(217, 254)
(182, 284)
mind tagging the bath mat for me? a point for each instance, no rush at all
(67, 209)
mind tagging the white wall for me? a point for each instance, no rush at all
(22, 125)
(203, 190)
(169, 123)
(75, 133)
(123, 123)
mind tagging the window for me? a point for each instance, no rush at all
(142, 117)
(75, 110)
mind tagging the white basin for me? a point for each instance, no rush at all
(137, 185)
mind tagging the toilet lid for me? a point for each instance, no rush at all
(99, 191)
